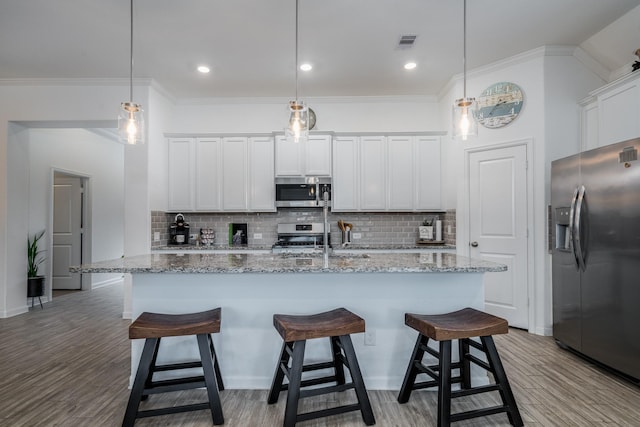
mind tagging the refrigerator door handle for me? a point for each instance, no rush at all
(578, 223)
(572, 232)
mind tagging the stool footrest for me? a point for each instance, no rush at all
(172, 410)
(327, 412)
(478, 413)
(324, 390)
(177, 384)
(475, 390)
(174, 366)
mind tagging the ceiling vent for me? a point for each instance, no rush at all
(406, 41)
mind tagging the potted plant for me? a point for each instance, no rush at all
(35, 283)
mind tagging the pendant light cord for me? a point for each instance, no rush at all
(296, 64)
(464, 49)
(131, 57)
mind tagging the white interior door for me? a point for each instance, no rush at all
(67, 231)
(498, 227)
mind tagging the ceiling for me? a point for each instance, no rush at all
(250, 44)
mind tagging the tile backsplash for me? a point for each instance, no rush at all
(393, 228)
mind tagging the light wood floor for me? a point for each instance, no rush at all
(68, 365)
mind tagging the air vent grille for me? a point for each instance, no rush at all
(406, 41)
(628, 154)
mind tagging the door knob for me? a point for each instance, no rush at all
(474, 244)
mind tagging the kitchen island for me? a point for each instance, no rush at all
(250, 288)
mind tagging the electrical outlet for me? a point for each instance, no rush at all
(370, 338)
(257, 236)
(193, 236)
(449, 229)
(156, 236)
(357, 235)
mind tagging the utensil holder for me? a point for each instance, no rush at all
(346, 237)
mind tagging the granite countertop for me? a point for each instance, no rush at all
(351, 247)
(426, 262)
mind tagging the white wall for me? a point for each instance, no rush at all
(60, 105)
(374, 114)
(553, 81)
(79, 152)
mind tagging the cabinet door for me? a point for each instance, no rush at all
(262, 187)
(401, 171)
(373, 179)
(289, 157)
(207, 168)
(181, 174)
(344, 187)
(619, 113)
(318, 155)
(428, 173)
(234, 174)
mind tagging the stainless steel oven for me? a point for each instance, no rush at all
(302, 192)
(300, 238)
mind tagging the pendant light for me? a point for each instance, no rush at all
(464, 109)
(130, 118)
(298, 126)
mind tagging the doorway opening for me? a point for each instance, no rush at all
(69, 239)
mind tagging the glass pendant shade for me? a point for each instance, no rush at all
(298, 128)
(131, 123)
(130, 118)
(464, 118)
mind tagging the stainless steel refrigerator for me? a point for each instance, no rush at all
(595, 204)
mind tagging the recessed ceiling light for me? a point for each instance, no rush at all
(306, 67)
(204, 69)
(410, 65)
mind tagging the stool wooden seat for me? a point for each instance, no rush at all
(461, 325)
(337, 325)
(153, 327)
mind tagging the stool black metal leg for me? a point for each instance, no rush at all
(216, 366)
(501, 378)
(356, 377)
(138, 384)
(278, 376)
(412, 370)
(209, 378)
(152, 368)
(444, 385)
(295, 379)
(465, 363)
(337, 362)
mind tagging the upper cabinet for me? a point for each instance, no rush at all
(229, 174)
(309, 158)
(386, 173)
(612, 113)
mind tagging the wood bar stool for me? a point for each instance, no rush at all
(152, 327)
(461, 325)
(337, 325)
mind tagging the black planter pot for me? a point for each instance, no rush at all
(35, 288)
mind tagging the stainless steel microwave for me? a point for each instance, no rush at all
(302, 192)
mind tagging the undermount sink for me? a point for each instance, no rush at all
(320, 255)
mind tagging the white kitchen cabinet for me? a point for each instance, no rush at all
(401, 172)
(612, 113)
(373, 168)
(207, 174)
(181, 178)
(394, 173)
(619, 113)
(427, 173)
(262, 187)
(345, 181)
(221, 174)
(309, 158)
(234, 174)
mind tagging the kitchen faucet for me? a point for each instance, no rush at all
(325, 212)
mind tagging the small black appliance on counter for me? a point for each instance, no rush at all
(179, 231)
